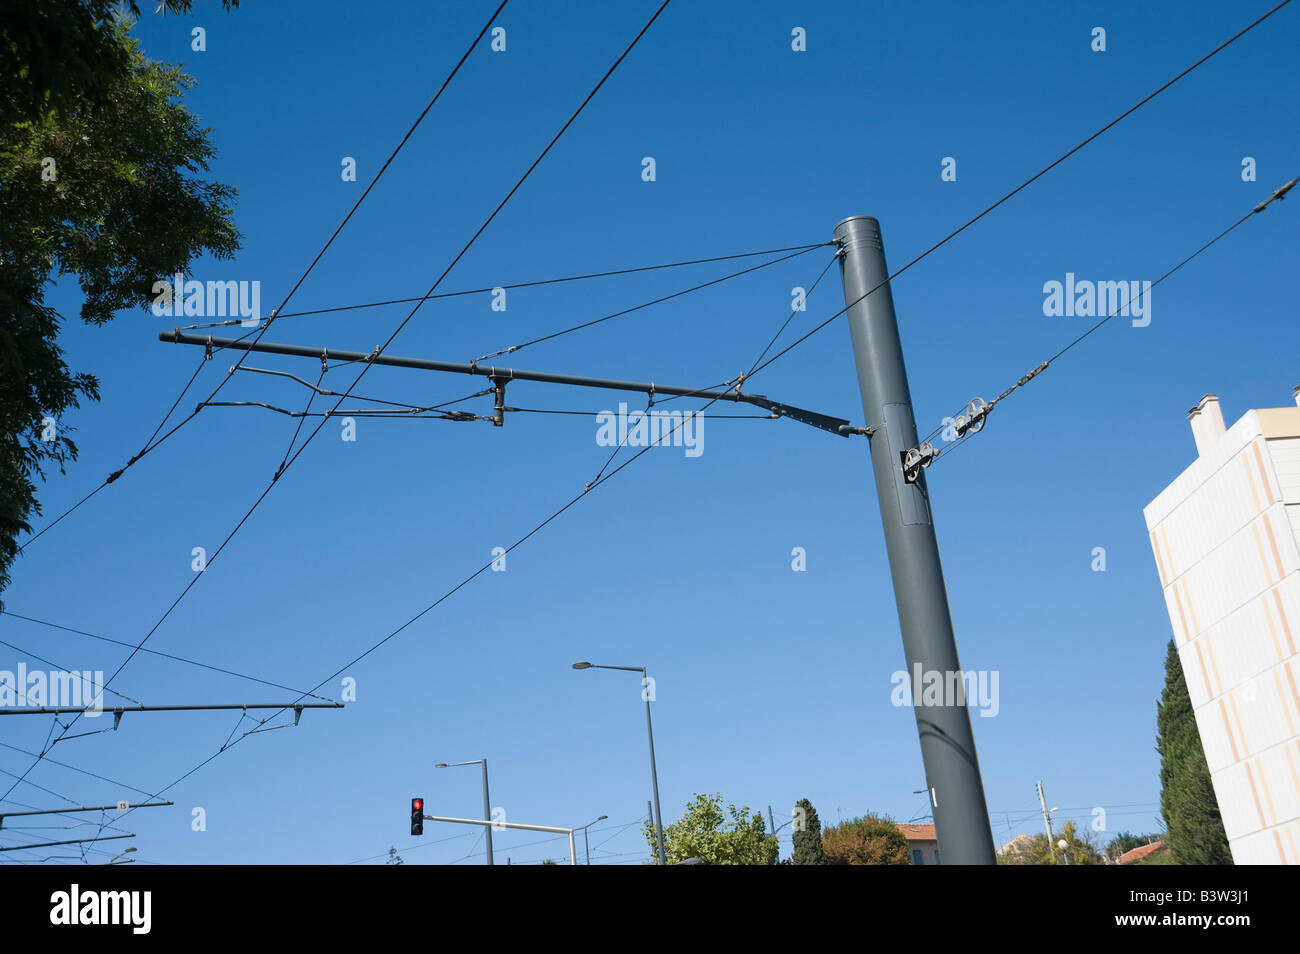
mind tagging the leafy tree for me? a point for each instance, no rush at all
(394, 858)
(869, 840)
(705, 832)
(1079, 850)
(1187, 801)
(807, 836)
(61, 53)
(98, 180)
(1162, 857)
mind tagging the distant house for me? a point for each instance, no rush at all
(1140, 854)
(922, 844)
(1021, 842)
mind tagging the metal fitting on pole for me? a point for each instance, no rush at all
(499, 411)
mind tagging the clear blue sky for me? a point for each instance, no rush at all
(771, 685)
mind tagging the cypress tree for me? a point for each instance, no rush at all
(1187, 801)
(807, 837)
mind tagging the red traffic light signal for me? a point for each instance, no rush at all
(417, 804)
(417, 816)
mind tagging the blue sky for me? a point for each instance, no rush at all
(772, 685)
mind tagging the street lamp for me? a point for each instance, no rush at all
(585, 844)
(487, 802)
(654, 775)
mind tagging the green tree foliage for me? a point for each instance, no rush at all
(869, 840)
(98, 179)
(1080, 849)
(61, 53)
(716, 837)
(1187, 801)
(807, 836)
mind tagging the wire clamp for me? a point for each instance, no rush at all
(916, 459)
(971, 419)
(1277, 194)
(1032, 374)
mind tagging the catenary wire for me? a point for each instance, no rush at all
(155, 652)
(263, 328)
(517, 285)
(1038, 175)
(656, 301)
(368, 365)
(1119, 309)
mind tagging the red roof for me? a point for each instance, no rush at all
(1137, 854)
(918, 832)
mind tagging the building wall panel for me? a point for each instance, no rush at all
(1285, 456)
(1225, 535)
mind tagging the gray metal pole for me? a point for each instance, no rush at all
(487, 815)
(586, 846)
(650, 814)
(947, 743)
(1047, 818)
(654, 774)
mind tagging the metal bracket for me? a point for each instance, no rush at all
(835, 425)
(499, 410)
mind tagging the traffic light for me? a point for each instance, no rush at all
(417, 816)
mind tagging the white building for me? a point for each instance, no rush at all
(1225, 538)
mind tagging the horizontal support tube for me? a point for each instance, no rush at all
(51, 710)
(84, 808)
(834, 425)
(483, 371)
(500, 824)
(70, 841)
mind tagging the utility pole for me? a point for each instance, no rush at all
(1047, 816)
(656, 818)
(1047, 821)
(947, 742)
(487, 802)
(650, 813)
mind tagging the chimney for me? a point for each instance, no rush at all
(1207, 423)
